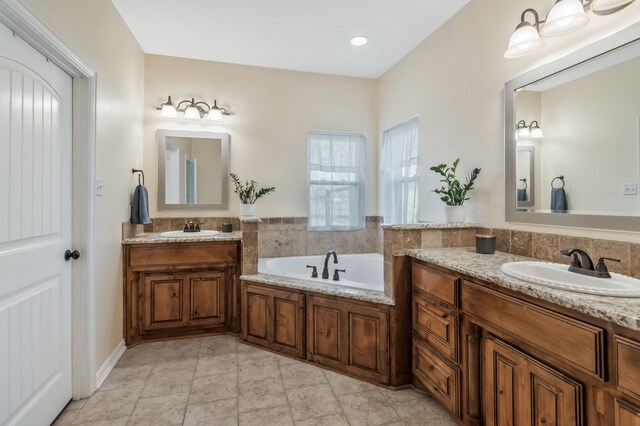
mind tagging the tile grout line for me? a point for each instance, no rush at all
(393, 408)
(286, 394)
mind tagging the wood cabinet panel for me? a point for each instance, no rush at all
(207, 297)
(349, 338)
(627, 353)
(273, 319)
(436, 325)
(441, 286)
(562, 334)
(626, 414)
(172, 255)
(522, 391)
(163, 303)
(437, 376)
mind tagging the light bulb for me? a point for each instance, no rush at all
(564, 17)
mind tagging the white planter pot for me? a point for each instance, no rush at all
(455, 214)
(247, 210)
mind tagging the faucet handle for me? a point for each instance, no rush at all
(314, 271)
(601, 266)
(336, 276)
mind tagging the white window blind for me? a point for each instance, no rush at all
(336, 181)
(399, 169)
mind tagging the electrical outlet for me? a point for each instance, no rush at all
(99, 187)
(630, 189)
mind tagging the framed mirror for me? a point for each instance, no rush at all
(572, 130)
(193, 170)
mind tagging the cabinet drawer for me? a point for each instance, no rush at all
(182, 254)
(576, 342)
(441, 286)
(627, 353)
(441, 379)
(436, 325)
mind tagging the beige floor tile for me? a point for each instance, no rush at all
(258, 369)
(415, 412)
(344, 385)
(301, 374)
(109, 405)
(76, 404)
(65, 418)
(217, 365)
(122, 421)
(246, 352)
(368, 408)
(312, 401)
(145, 354)
(219, 413)
(160, 410)
(331, 420)
(275, 416)
(180, 364)
(168, 382)
(180, 349)
(285, 360)
(126, 377)
(261, 394)
(218, 345)
(402, 395)
(214, 388)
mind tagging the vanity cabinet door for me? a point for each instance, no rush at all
(163, 301)
(207, 299)
(627, 414)
(519, 390)
(353, 339)
(273, 319)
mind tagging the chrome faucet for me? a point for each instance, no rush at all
(325, 270)
(581, 263)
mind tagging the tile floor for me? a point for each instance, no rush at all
(221, 381)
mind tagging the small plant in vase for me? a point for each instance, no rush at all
(452, 192)
(249, 192)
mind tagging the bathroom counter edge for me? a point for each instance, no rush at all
(155, 238)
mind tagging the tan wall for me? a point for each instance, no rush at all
(96, 32)
(272, 112)
(455, 81)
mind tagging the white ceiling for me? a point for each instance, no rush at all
(303, 35)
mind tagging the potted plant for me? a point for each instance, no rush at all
(452, 192)
(248, 194)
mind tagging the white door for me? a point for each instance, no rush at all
(35, 231)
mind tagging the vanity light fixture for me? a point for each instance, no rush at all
(192, 110)
(565, 16)
(532, 131)
(359, 40)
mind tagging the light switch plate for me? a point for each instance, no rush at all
(630, 189)
(99, 187)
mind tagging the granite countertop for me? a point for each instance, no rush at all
(621, 311)
(330, 288)
(430, 225)
(155, 238)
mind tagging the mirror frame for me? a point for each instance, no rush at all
(623, 223)
(161, 135)
(532, 173)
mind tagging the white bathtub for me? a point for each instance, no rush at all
(364, 271)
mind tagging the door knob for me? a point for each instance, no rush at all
(68, 255)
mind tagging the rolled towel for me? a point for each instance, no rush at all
(558, 200)
(140, 207)
(522, 194)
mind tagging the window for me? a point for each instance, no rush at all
(336, 181)
(399, 169)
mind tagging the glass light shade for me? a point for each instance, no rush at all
(523, 132)
(168, 111)
(604, 6)
(564, 17)
(192, 113)
(524, 40)
(536, 133)
(215, 114)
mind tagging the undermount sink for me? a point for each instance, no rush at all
(182, 234)
(556, 275)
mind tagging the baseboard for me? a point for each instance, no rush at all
(108, 365)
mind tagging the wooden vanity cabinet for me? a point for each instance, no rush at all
(180, 289)
(492, 356)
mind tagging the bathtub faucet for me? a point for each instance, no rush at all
(325, 270)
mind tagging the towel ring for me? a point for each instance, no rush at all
(524, 180)
(554, 179)
(141, 173)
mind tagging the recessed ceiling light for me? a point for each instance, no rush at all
(359, 40)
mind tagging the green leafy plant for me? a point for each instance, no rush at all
(250, 191)
(452, 192)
